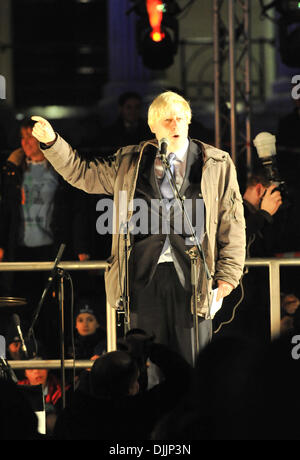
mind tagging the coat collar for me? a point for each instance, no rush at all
(195, 154)
(208, 151)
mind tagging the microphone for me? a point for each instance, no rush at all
(56, 262)
(163, 147)
(16, 319)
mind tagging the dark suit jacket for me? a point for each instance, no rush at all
(147, 247)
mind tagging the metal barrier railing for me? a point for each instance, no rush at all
(70, 266)
(50, 364)
(47, 266)
(273, 265)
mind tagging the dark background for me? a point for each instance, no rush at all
(60, 51)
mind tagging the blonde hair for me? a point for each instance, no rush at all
(162, 104)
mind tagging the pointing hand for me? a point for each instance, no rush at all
(43, 131)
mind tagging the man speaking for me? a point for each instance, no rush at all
(159, 265)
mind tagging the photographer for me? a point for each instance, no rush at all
(261, 200)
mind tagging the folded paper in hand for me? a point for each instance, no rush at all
(215, 305)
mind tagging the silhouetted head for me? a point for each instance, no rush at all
(17, 418)
(114, 375)
(130, 105)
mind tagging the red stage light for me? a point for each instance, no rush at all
(157, 32)
(155, 12)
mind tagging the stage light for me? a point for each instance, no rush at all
(157, 32)
(155, 13)
(288, 20)
(289, 31)
(157, 36)
(289, 45)
(290, 9)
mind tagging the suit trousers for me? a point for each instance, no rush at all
(163, 308)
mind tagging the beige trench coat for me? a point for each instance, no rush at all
(224, 240)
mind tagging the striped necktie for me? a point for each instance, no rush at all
(165, 187)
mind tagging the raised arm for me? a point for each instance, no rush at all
(96, 176)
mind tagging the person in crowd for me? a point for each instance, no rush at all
(18, 422)
(246, 397)
(109, 404)
(90, 334)
(222, 372)
(275, 370)
(52, 391)
(9, 128)
(262, 200)
(197, 129)
(14, 347)
(129, 128)
(288, 145)
(289, 313)
(159, 266)
(288, 153)
(38, 212)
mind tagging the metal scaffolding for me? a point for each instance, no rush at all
(232, 44)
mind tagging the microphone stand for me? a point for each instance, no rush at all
(123, 306)
(61, 273)
(56, 272)
(126, 283)
(194, 253)
(6, 371)
(50, 281)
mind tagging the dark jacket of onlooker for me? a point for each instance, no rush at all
(68, 222)
(129, 417)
